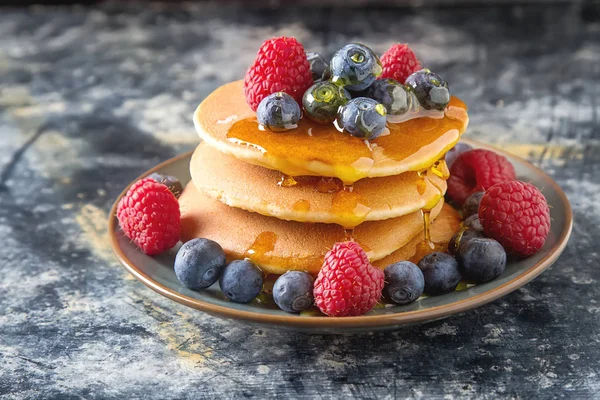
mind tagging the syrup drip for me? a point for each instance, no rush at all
(349, 235)
(426, 223)
(263, 244)
(320, 184)
(440, 168)
(426, 246)
(343, 202)
(302, 206)
(287, 181)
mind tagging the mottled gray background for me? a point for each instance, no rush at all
(92, 97)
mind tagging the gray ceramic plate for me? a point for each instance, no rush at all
(157, 273)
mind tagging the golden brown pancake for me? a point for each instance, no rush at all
(224, 121)
(253, 188)
(278, 246)
(441, 230)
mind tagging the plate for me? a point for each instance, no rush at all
(157, 272)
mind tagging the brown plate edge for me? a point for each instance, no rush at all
(401, 318)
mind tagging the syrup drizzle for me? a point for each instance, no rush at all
(405, 136)
(426, 246)
(315, 147)
(263, 244)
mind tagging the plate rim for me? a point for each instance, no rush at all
(364, 321)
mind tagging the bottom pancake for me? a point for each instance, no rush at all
(278, 246)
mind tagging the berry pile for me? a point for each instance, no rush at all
(356, 90)
(501, 217)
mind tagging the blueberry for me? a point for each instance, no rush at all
(396, 98)
(456, 151)
(473, 222)
(481, 260)
(354, 66)
(461, 237)
(199, 262)
(318, 65)
(471, 205)
(241, 281)
(362, 117)
(293, 291)
(322, 101)
(171, 182)
(404, 282)
(441, 274)
(278, 112)
(430, 89)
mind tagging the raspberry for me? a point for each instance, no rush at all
(347, 283)
(475, 171)
(149, 216)
(280, 66)
(516, 214)
(399, 62)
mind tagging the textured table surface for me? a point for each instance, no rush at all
(90, 98)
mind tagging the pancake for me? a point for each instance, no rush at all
(224, 121)
(278, 246)
(253, 188)
(441, 230)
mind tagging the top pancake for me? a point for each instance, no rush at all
(224, 121)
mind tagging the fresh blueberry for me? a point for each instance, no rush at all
(430, 89)
(318, 65)
(441, 274)
(461, 237)
(362, 117)
(456, 151)
(473, 222)
(293, 291)
(171, 182)
(354, 66)
(471, 205)
(241, 281)
(404, 282)
(322, 101)
(278, 112)
(199, 262)
(396, 98)
(481, 260)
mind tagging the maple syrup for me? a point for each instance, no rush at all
(426, 246)
(287, 181)
(344, 202)
(302, 206)
(352, 158)
(321, 184)
(263, 244)
(411, 138)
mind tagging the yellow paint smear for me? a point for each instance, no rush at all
(532, 150)
(178, 332)
(94, 227)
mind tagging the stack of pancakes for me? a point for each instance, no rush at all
(283, 199)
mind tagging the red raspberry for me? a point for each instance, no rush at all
(516, 214)
(280, 66)
(347, 283)
(475, 171)
(149, 216)
(399, 62)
